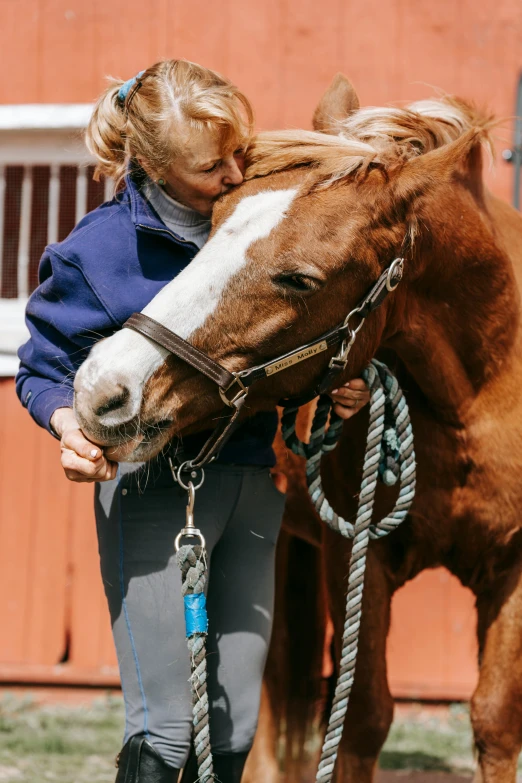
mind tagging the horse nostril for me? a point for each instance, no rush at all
(113, 403)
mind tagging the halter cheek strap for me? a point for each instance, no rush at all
(176, 345)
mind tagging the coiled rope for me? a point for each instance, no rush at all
(192, 562)
(390, 456)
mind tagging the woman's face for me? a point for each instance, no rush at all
(201, 173)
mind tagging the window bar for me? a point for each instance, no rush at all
(25, 232)
(81, 193)
(2, 210)
(54, 203)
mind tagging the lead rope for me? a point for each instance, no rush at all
(192, 561)
(390, 455)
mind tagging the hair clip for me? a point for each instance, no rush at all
(130, 86)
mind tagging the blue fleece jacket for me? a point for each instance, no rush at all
(111, 265)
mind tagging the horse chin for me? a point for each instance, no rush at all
(130, 443)
(137, 449)
(135, 452)
(124, 452)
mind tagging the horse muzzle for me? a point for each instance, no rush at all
(109, 414)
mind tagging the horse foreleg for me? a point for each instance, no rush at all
(496, 706)
(370, 710)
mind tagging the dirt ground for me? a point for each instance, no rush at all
(65, 735)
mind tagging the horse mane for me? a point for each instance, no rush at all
(372, 135)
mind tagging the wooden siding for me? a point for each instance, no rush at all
(283, 53)
(53, 613)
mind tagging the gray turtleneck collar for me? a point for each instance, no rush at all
(183, 221)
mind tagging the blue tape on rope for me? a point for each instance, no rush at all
(196, 620)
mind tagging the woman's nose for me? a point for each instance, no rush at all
(233, 174)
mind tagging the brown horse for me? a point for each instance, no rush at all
(292, 251)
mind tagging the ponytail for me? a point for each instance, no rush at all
(105, 135)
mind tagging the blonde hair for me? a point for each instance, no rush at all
(144, 123)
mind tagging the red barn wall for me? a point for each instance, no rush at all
(283, 54)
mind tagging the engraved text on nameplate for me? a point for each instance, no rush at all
(282, 364)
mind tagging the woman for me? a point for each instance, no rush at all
(175, 137)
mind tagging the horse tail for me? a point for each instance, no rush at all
(307, 624)
(294, 679)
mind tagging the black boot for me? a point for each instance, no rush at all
(228, 767)
(140, 762)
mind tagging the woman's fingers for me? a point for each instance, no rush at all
(78, 468)
(356, 384)
(75, 440)
(84, 461)
(350, 398)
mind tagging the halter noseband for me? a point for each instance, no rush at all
(234, 386)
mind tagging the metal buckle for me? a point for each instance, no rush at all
(337, 362)
(243, 391)
(341, 357)
(395, 273)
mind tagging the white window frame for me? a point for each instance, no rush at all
(31, 135)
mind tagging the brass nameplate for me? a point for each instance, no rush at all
(282, 364)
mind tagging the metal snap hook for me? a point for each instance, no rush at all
(190, 506)
(187, 534)
(190, 530)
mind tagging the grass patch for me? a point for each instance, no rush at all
(426, 742)
(58, 743)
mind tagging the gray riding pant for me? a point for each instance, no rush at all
(239, 511)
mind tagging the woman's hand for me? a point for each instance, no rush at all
(82, 460)
(350, 398)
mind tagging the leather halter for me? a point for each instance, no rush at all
(234, 386)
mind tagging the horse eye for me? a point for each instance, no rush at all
(297, 282)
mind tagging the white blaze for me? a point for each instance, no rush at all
(185, 304)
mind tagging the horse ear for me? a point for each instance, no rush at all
(339, 100)
(459, 160)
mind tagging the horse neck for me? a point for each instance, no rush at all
(456, 322)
